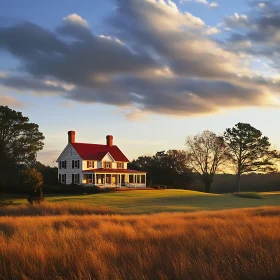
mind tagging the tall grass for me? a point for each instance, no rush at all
(53, 209)
(232, 244)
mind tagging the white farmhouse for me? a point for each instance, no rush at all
(96, 165)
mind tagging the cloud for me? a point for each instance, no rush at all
(205, 2)
(75, 19)
(213, 5)
(260, 36)
(212, 30)
(6, 100)
(30, 83)
(236, 21)
(153, 59)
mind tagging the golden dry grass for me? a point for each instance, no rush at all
(232, 244)
(53, 209)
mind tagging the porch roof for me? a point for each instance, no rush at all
(111, 170)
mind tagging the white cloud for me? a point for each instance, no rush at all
(205, 2)
(262, 5)
(214, 5)
(76, 19)
(236, 21)
(212, 31)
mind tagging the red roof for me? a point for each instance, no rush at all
(97, 152)
(110, 170)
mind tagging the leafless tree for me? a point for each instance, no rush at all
(206, 152)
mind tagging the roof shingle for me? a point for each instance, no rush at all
(98, 151)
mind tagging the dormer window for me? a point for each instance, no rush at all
(120, 165)
(107, 164)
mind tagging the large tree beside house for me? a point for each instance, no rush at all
(20, 140)
(102, 165)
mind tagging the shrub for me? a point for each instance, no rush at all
(248, 195)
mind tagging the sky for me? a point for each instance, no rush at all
(148, 72)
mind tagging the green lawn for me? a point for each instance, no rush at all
(154, 201)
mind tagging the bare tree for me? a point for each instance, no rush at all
(206, 152)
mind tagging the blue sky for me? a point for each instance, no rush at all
(148, 72)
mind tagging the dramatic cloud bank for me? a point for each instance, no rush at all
(156, 59)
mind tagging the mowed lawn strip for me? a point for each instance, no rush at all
(155, 201)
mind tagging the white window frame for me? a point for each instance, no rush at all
(91, 164)
(108, 163)
(63, 178)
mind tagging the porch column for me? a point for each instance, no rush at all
(105, 177)
(111, 179)
(95, 179)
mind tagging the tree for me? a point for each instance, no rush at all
(165, 168)
(49, 173)
(20, 140)
(249, 150)
(33, 180)
(206, 152)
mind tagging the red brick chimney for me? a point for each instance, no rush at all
(71, 136)
(109, 139)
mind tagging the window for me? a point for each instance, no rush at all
(120, 165)
(75, 164)
(108, 179)
(143, 179)
(63, 178)
(75, 179)
(90, 164)
(108, 164)
(63, 164)
(131, 179)
(88, 178)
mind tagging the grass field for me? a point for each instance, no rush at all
(98, 236)
(155, 201)
(223, 245)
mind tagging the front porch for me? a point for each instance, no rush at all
(114, 179)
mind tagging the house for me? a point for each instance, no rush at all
(96, 165)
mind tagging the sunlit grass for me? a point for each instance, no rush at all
(155, 201)
(253, 195)
(218, 245)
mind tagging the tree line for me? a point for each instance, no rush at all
(242, 149)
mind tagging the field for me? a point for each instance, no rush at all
(100, 237)
(155, 201)
(231, 244)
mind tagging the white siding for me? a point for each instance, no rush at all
(70, 154)
(108, 158)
